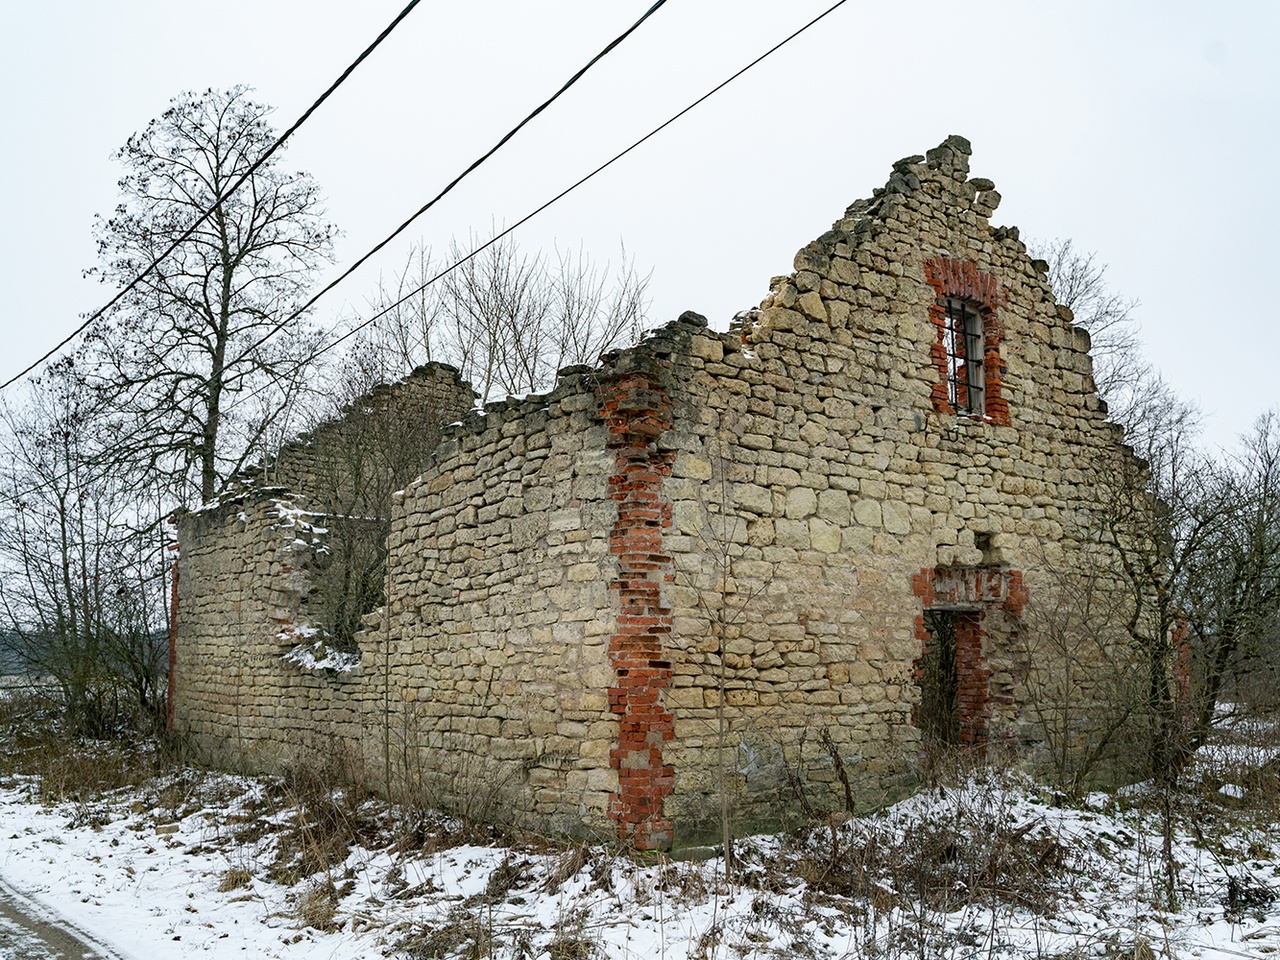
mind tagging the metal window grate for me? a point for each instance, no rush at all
(962, 338)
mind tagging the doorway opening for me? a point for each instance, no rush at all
(953, 674)
(938, 716)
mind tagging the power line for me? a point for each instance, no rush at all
(453, 183)
(448, 187)
(186, 235)
(563, 193)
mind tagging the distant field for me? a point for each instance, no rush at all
(12, 683)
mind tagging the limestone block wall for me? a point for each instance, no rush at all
(252, 592)
(351, 464)
(499, 576)
(701, 570)
(242, 607)
(483, 684)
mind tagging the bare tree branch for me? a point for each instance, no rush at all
(173, 355)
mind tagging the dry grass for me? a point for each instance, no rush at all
(513, 872)
(977, 855)
(569, 865)
(572, 940)
(330, 813)
(235, 878)
(63, 767)
(318, 905)
(975, 850)
(461, 934)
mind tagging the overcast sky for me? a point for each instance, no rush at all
(1145, 131)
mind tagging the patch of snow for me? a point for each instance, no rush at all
(309, 536)
(317, 655)
(297, 631)
(151, 881)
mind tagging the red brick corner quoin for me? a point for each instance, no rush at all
(637, 410)
(963, 280)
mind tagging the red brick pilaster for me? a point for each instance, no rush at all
(637, 410)
(172, 678)
(972, 679)
(963, 280)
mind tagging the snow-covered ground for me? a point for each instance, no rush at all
(212, 866)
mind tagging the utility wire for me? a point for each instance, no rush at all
(427, 206)
(451, 184)
(563, 193)
(186, 235)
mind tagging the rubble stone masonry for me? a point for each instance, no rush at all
(698, 571)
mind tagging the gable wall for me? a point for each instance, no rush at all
(817, 483)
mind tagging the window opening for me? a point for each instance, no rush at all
(962, 339)
(939, 713)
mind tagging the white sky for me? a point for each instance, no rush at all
(1142, 130)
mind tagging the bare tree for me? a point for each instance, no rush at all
(592, 310)
(507, 320)
(1079, 283)
(497, 310)
(402, 335)
(1231, 588)
(201, 330)
(1197, 537)
(1083, 685)
(1156, 529)
(81, 573)
(1137, 396)
(1198, 542)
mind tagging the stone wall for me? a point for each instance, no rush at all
(702, 569)
(500, 614)
(256, 571)
(242, 607)
(483, 683)
(347, 469)
(350, 465)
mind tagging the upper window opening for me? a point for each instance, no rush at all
(963, 342)
(967, 351)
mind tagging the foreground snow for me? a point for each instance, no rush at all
(205, 866)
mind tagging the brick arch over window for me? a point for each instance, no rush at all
(954, 279)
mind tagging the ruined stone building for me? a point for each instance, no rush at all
(811, 540)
